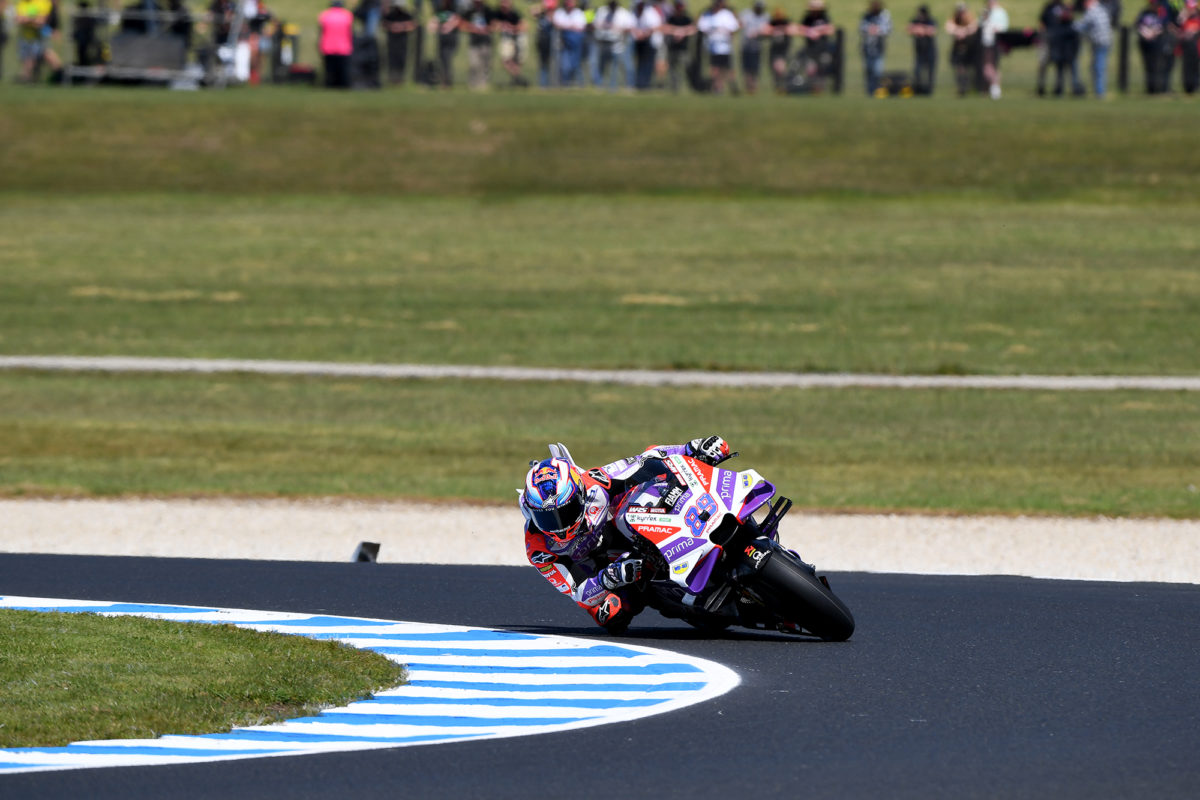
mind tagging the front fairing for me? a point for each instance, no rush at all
(681, 517)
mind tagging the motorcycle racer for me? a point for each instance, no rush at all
(569, 535)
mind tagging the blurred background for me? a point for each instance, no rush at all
(802, 232)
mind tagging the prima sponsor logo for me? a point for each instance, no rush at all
(680, 548)
(725, 485)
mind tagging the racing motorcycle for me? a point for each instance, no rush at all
(708, 538)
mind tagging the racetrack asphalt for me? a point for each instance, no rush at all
(954, 687)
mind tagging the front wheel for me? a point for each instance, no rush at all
(793, 590)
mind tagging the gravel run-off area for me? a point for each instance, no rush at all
(330, 530)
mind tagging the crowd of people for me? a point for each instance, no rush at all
(651, 44)
(661, 44)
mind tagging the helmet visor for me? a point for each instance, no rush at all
(561, 519)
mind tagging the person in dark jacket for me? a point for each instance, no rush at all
(1064, 46)
(923, 29)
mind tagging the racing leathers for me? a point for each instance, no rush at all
(594, 567)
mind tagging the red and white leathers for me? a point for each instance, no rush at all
(574, 567)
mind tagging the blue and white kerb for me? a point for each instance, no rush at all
(464, 683)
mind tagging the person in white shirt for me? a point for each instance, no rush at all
(718, 25)
(571, 24)
(611, 27)
(994, 21)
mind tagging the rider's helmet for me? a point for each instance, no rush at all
(553, 498)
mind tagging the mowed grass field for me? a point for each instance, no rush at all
(552, 230)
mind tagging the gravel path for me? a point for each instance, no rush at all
(319, 530)
(626, 377)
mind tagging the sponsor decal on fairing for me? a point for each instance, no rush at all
(681, 548)
(726, 483)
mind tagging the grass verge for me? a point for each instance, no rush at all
(73, 677)
(1114, 453)
(280, 142)
(925, 286)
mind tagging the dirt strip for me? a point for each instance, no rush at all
(317, 530)
(631, 377)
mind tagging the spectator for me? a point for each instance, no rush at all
(923, 29)
(337, 44)
(1096, 28)
(256, 16)
(1188, 34)
(31, 18)
(1045, 24)
(445, 23)
(756, 26)
(964, 47)
(587, 54)
(398, 23)
(719, 25)
(1156, 45)
(543, 16)
(873, 30)
(477, 22)
(221, 13)
(181, 21)
(678, 31)
(612, 25)
(646, 40)
(3, 32)
(571, 23)
(994, 22)
(780, 33)
(369, 13)
(83, 33)
(512, 41)
(819, 46)
(1113, 7)
(1063, 45)
(50, 34)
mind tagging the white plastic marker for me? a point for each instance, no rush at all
(464, 683)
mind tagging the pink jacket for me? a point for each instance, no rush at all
(337, 31)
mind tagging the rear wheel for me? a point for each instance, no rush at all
(792, 589)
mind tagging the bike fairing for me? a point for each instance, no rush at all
(577, 565)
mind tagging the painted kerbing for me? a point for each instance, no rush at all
(464, 683)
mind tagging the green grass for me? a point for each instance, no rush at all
(569, 230)
(72, 677)
(272, 141)
(1118, 453)
(935, 286)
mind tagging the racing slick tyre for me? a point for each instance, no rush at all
(794, 591)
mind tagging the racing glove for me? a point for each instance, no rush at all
(712, 450)
(621, 573)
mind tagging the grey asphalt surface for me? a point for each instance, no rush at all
(954, 687)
